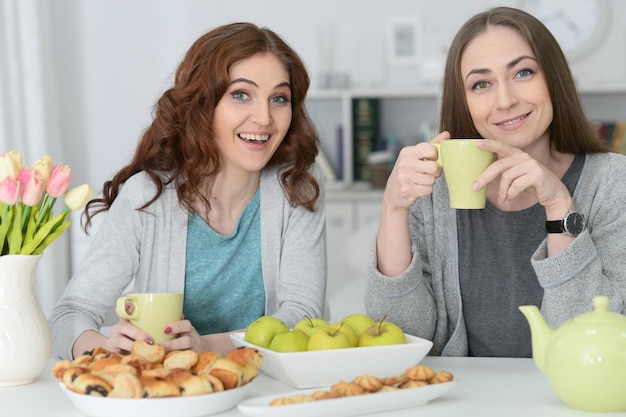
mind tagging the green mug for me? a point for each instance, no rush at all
(462, 163)
(151, 312)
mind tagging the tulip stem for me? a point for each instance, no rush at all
(25, 216)
(46, 203)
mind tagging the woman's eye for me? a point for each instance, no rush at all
(239, 95)
(525, 73)
(280, 99)
(480, 85)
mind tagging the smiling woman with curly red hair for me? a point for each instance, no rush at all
(222, 201)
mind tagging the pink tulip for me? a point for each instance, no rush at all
(32, 186)
(59, 180)
(10, 191)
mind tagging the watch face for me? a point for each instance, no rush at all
(574, 224)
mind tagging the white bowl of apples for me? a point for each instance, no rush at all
(328, 352)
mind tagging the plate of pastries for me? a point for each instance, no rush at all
(148, 382)
(365, 394)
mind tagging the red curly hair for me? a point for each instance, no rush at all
(179, 146)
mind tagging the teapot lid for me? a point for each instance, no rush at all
(601, 313)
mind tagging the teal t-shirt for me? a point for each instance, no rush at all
(224, 287)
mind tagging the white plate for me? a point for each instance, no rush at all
(345, 406)
(192, 406)
(321, 368)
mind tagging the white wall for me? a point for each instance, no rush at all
(113, 58)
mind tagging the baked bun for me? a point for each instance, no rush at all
(369, 383)
(218, 385)
(157, 372)
(101, 353)
(138, 362)
(59, 368)
(180, 359)
(178, 375)
(195, 385)
(91, 384)
(158, 388)
(227, 371)
(101, 364)
(83, 360)
(205, 361)
(246, 355)
(72, 373)
(126, 385)
(420, 373)
(151, 353)
(248, 373)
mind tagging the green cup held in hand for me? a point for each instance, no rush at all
(462, 163)
(151, 312)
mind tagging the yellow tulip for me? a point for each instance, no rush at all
(77, 197)
(44, 167)
(10, 165)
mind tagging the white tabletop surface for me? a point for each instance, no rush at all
(485, 387)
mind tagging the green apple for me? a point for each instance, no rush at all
(261, 331)
(310, 325)
(383, 333)
(290, 341)
(359, 322)
(349, 331)
(328, 338)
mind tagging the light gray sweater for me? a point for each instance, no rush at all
(149, 247)
(425, 300)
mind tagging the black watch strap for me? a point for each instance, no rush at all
(553, 226)
(573, 224)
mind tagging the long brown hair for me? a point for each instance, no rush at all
(570, 130)
(179, 146)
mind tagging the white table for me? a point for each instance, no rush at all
(486, 387)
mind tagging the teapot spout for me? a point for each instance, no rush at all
(540, 333)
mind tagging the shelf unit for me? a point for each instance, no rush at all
(331, 110)
(403, 113)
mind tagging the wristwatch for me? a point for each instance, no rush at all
(573, 224)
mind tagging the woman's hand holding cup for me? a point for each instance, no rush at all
(413, 174)
(145, 316)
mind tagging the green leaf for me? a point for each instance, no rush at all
(4, 228)
(52, 237)
(30, 230)
(44, 231)
(15, 234)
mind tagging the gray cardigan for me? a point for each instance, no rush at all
(149, 247)
(425, 300)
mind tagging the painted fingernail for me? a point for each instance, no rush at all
(168, 330)
(149, 340)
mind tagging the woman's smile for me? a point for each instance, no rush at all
(512, 124)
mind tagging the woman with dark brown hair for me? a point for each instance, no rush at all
(222, 201)
(552, 231)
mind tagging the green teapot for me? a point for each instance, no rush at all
(584, 358)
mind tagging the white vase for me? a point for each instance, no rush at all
(25, 338)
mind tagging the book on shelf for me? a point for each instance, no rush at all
(613, 133)
(339, 141)
(325, 166)
(365, 131)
